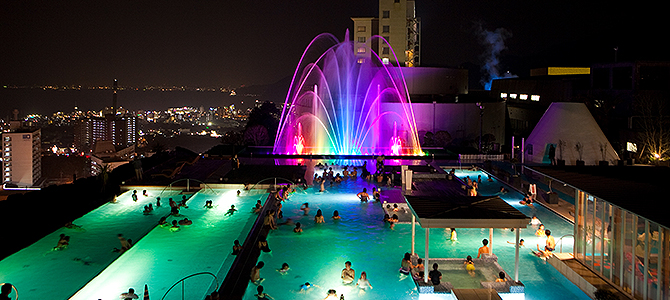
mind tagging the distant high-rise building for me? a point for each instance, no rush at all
(120, 129)
(400, 29)
(21, 157)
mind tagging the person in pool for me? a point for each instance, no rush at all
(348, 274)
(304, 288)
(501, 277)
(255, 276)
(262, 295)
(363, 282)
(305, 208)
(469, 265)
(393, 220)
(376, 194)
(263, 245)
(454, 236)
(231, 210)
(419, 269)
(336, 215)
(163, 221)
(284, 269)
(540, 231)
(298, 228)
(406, 264)
(63, 242)
(363, 195)
(319, 217)
(332, 295)
(237, 248)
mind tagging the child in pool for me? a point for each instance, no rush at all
(298, 228)
(336, 215)
(501, 277)
(469, 265)
(284, 269)
(363, 282)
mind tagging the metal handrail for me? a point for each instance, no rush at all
(275, 183)
(561, 241)
(182, 283)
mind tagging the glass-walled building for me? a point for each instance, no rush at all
(628, 249)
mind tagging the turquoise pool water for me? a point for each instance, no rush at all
(318, 254)
(88, 269)
(39, 273)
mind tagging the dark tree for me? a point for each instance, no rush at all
(266, 115)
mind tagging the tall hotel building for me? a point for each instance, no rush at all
(21, 157)
(400, 29)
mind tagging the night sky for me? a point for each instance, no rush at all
(229, 43)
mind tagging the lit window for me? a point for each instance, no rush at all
(513, 96)
(523, 97)
(385, 60)
(361, 39)
(361, 50)
(361, 60)
(535, 98)
(632, 147)
(360, 29)
(386, 14)
(386, 28)
(503, 95)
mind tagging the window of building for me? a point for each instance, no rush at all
(387, 39)
(513, 96)
(361, 39)
(503, 95)
(396, 1)
(523, 97)
(535, 98)
(361, 60)
(386, 28)
(386, 14)
(361, 50)
(385, 60)
(386, 50)
(360, 29)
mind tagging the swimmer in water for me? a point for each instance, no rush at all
(305, 208)
(363, 282)
(231, 211)
(284, 269)
(336, 215)
(348, 274)
(319, 217)
(298, 228)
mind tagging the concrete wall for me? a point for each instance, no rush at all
(461, 120)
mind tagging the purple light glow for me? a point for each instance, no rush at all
(335, 105)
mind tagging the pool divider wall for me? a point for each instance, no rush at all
(237, 279)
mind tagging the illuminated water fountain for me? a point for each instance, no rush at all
(340, 104)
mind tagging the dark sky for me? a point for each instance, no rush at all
(228, 43)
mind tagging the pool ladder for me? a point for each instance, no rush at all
(187, 277)
(561, 241)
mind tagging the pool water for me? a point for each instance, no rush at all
(163, 257)
(39, 273)
(89, 269)
(318, 254)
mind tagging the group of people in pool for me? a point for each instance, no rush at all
(348, 276)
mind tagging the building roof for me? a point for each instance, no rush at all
(441, 203)
(637, 189)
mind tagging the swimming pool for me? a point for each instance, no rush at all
(39, 273)
(163, 257)
(318, 254)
